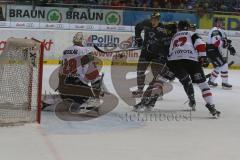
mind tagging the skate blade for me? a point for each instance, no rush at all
(216, 116)
(89, 113)
(193, 108)
(138, 110)
(148, 110)
(226, 88)
(212, 86)
(160, 98)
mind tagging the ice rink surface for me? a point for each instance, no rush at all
(114, 137)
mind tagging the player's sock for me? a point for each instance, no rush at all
(224, 73)
(224, 76)
(214, 75)
(206, 92)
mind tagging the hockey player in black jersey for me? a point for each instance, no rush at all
(187, 53)
(154, 48)
(154, 52)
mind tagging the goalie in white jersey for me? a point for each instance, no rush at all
(187, 53)
(79, 78)
(217, 41)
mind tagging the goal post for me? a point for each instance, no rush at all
(21, 72)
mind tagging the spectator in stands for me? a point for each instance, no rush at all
(202, 6)
(131, 3)
(155, 4)
(143, 3)
(118, 3)
(162, 3)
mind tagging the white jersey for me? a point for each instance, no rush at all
(186, 45)
(71, 63)
(216, 36)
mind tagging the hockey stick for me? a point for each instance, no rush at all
(229, 65)
(122, 50)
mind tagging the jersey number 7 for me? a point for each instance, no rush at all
(179, 42)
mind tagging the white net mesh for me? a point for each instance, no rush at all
(19, 69)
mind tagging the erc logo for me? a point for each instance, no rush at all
(54, 16)
(112, 18)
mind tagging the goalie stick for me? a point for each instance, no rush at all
(122, 50)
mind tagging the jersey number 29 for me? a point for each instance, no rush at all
(69, 66)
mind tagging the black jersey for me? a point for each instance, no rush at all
(156, 39)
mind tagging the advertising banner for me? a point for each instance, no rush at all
(2, 12)
(55, 41)
(134, 17)
(231, 22)
(63, 15)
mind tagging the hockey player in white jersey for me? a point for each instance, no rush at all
(79, 78)
(217, 40)
(187, 53)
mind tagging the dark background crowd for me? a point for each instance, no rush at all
(206, 5)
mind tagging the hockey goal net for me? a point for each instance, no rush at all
(21, 66)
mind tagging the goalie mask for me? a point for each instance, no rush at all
(78, 38)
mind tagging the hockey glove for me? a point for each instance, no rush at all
(204, 61)
(232, 50)
(139, 41)
(225, 43)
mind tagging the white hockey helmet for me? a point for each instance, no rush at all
(78, 38)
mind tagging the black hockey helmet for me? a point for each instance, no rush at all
(155, 15)
(183, 25)
(193, 26)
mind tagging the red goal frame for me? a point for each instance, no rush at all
(40, 81)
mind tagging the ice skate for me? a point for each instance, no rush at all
(212, 84)
(91, 102)
(151, 103)
(192, 103)
(90, 105)
(213, 110)
(226, 86)
(75, 108)
(139, 107)
(138, 93)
